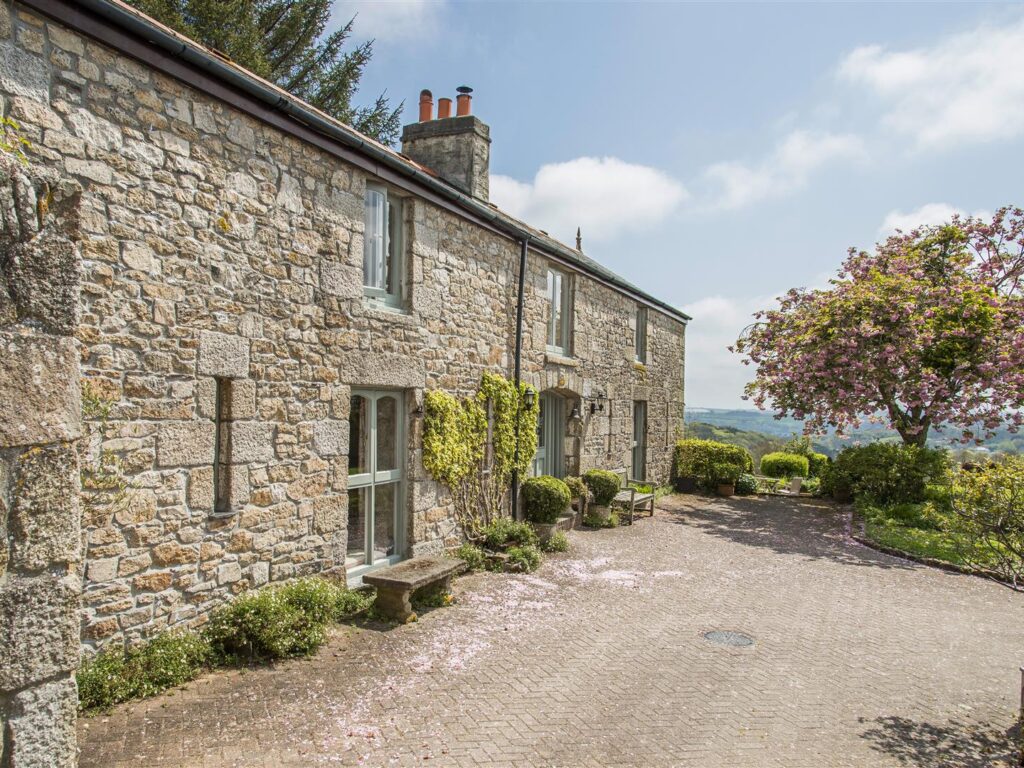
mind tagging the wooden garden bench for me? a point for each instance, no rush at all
(632, 499)
(397, 583)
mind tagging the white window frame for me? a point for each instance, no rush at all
(640, 336)
(394, 247)
(559, 289)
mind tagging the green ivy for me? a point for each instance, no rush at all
(456, 451)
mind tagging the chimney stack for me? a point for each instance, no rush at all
(427, 106)
(457, 149)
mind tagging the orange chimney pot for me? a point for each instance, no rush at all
(444, 108)
(462, 101)
(426, 106)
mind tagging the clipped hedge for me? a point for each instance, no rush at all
(544, 498)
(697, 458)
(603, 484)
(784, 465)
(817, 463)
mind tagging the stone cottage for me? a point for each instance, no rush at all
(264, 295)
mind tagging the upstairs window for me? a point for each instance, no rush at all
(559, 299)
(383, 246)
(640, 336)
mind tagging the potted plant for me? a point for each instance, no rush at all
(545, 502)
(725, 476)
(603, 486)
(579, 495)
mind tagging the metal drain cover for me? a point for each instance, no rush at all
(728, 637)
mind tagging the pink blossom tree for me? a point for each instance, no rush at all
(926, 332)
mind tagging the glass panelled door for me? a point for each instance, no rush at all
(375, 473)
(639, 440)
(550, 456)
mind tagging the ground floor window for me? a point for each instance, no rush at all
(376, 519)
(639, 440)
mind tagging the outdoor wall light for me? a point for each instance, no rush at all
(575, 415)
(530, 397)
(597, 404)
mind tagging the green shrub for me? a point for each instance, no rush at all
(544, 498)
(987, 516)
(348, 602)
(115, 675)
(811, 485)
(557, 542)
(784, 465)
(816, 464)
(577, 488)
(886, 473)
(525, 558)
(473, 556)
(603, 484)
(266, 625)
(505, 532)
(746, 484)
(695, 458)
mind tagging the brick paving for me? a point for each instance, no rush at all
(860, 659)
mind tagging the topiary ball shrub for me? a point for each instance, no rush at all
(746, 485)
(577, 488)
(544, 499)
(784, 465)
(603, 485)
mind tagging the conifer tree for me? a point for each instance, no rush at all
(283, 41)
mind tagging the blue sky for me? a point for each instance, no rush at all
(719, 154)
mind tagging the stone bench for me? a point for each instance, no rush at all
(397, 583)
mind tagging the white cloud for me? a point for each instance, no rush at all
(799, 155)
(929, 214)
(603, 195)
(965, 87)
(390, 20)
(715, 376)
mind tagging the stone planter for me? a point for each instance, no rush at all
(726, 489)
(565, 522)
(603, 514)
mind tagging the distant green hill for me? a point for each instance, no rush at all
(749, 427)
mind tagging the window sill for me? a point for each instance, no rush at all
(558, 358)
(386, 312)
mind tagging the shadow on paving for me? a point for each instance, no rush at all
(780, 524)
(954, 745)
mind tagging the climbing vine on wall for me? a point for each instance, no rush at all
(469, 445)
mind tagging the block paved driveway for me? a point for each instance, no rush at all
(598, 659)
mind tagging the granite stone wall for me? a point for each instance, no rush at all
(216, 246)
(40, 426)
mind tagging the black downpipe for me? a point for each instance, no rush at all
(519, 368)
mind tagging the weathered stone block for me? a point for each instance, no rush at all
(330, 437)
(45, 518)
(43, 278)
(328, 513)
(200, 488)
(229, 573)
(39, 627)
(223, 355)
(251, 441)
(172, 553)
(23, 74)
(41, 726)
(185, 444)
(40, 374)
